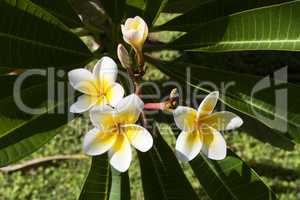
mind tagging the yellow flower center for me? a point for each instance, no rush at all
(135, 25)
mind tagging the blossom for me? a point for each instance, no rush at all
(124, 57)
(99, 87)
(200, 129)
(135, 32)
(115, 131)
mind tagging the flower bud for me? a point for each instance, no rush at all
(124, 57)
(135, 32)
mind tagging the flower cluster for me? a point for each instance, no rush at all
(114, 116)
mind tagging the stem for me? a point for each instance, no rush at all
(40, 161)
(139, 58)
(154, 106)
(137, 87)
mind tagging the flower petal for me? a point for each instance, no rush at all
(223, 121)
(114, 94)
(83, 81)
(144, 27)
(185, 118)
(105, 71)
(83, 103)
(208, 104)
(97, 142)
(129, 109)
(138, 137)
(102, 117)
(120, 154)
(132, 37)
(188, 145)
(214, 145)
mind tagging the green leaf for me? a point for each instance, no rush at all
(134, 8)
(22, 133)
(114, 9)
(230, 178)
(4, 71)
(120, 186)
(162, 176)
(207, 11)
(30, 138)
(152, 10)
(7, 83)
(37, 39)
(238, 96)
(96, 186)
(274, 27)
(179, 6)
(61, 9)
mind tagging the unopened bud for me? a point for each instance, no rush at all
(135, 32)
(124, 57)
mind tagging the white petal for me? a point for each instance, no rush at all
(208, 104)
(144, 25)
(133, 37)
(102, 117)
(214, 145)
(114, 94)
(185, 118)
(129, 22)
(129, 109)
(83, 103)
(120, 154)
(138, 137)
(106, 70)
(188, 145)
(223, 121)
(96, 142)
(83, 81)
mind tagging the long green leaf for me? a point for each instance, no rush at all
(238, 96)
(7, 84)
(61, 9)
(114, 9)
(152, 10)
(31, 37)
(230, 178)
(30, 138)
(120, 186)
(22, 133)
(134, 8)
(96, 186)
(162, 176)
(212, 10)
(180, 6)
(274, 27)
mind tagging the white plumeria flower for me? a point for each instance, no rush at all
(200, 129)
(135, 32)
(99, 87)
(115, 131)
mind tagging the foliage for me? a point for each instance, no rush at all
(37, 34)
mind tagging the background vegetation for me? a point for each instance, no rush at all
(64, 179)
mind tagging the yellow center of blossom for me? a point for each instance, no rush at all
(203, 129)
(135, 25)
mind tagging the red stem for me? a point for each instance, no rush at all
(154, 106)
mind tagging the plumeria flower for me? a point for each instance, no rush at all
(99, 87)
(115, 131)
(135, 32)
(200, 129)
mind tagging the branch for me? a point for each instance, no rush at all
(41, 161)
